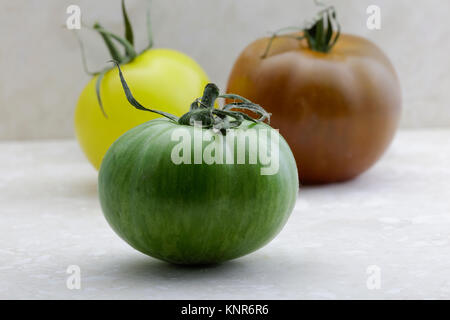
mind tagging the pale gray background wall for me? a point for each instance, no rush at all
(41, 74)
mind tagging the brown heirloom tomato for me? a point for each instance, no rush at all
(338, 110)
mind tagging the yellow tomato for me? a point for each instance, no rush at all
(162, 79)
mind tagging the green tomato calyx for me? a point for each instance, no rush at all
(321, 33)
(203, 112)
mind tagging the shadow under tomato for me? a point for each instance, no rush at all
(372, 179)
(85, 187)
(254, 270)
(149, 268)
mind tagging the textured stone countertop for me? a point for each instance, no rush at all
(392, 224)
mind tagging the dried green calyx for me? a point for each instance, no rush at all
(203, 112)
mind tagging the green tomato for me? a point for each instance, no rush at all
(194, 213)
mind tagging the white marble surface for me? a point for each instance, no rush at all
(396, 216)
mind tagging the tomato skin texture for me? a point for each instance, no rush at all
(153, 75)
(338, 111)
(191, 213)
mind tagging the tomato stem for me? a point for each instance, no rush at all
(130, 52)
(321, 33)
(149, 28)
(113, 51)
(128, 28)
(203, 112)
(111, 40)
(98, 85)
(134, 102)
(210, 95)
